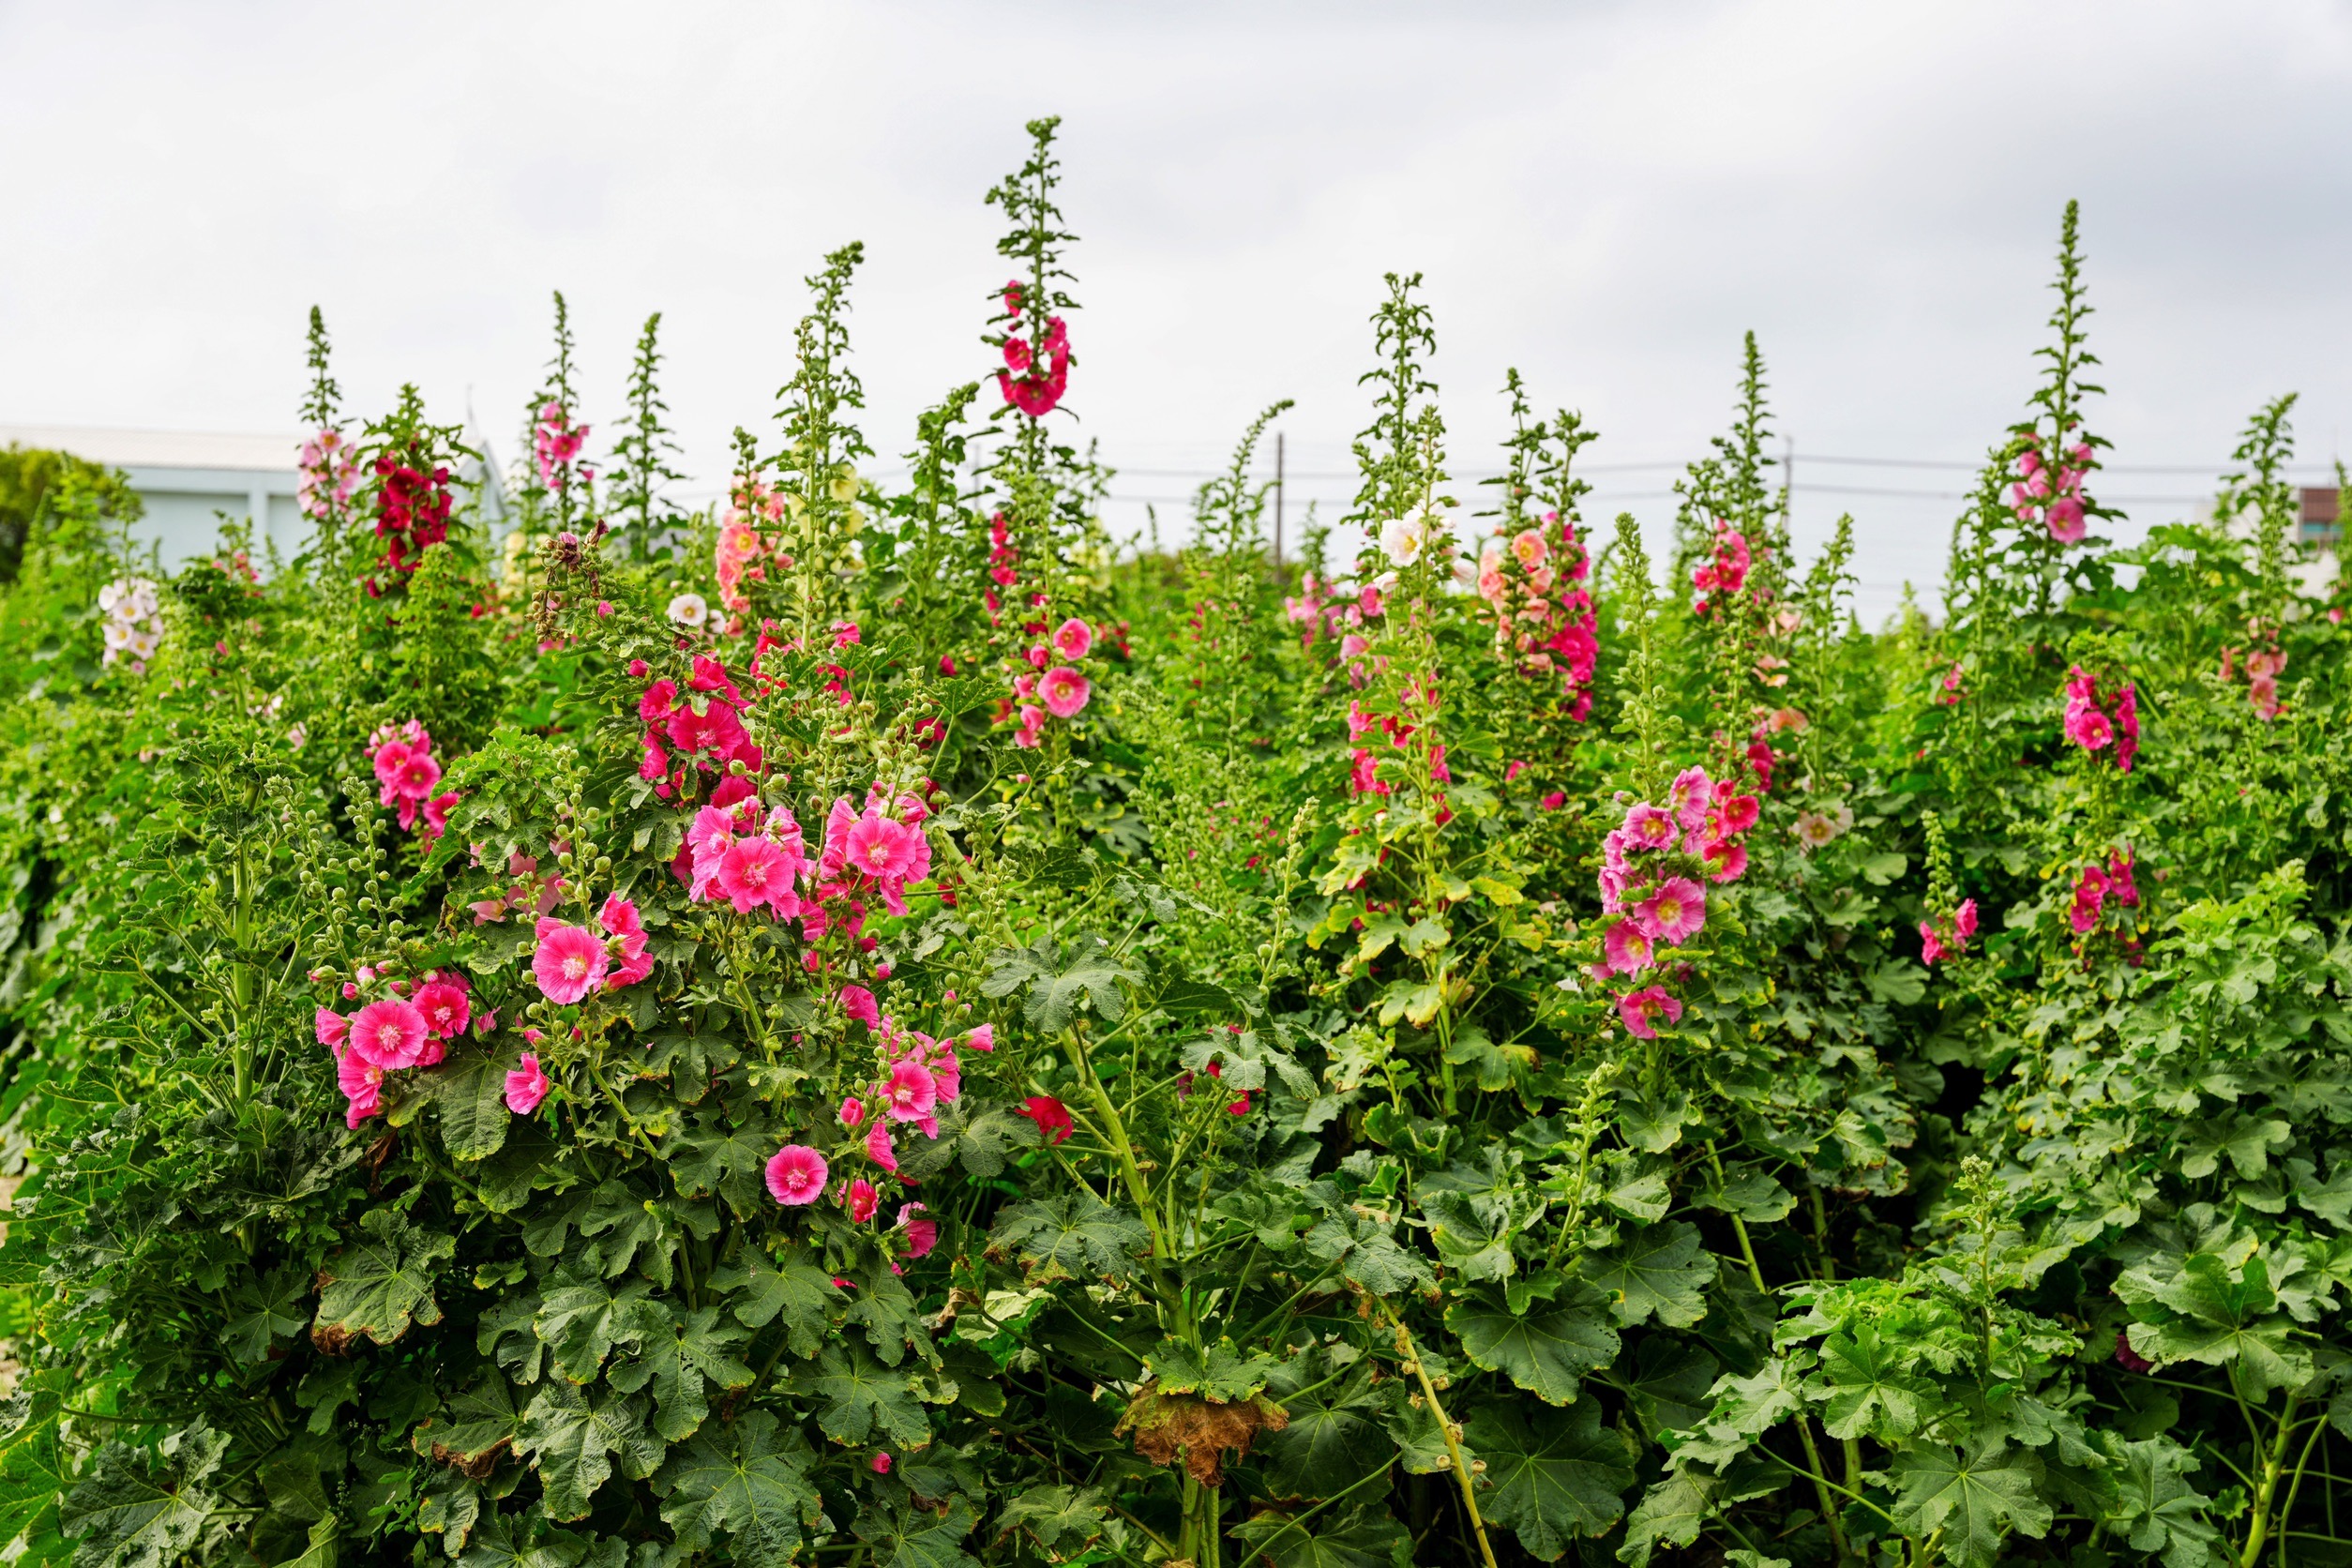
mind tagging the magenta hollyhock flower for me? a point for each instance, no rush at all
(1726, 860)
(2127, 724)
(1931, 947)
(1963, 922)
(852, 1111)
(2090, 894)
(527, 1086)
(757, 871)
(389, 759)
(389, 1035)
(1073, 638)
(414, 777)
(1675, 912)
(881, 848)
(877, 1145)
(2089, 728)
(861, 1200)
(446, 1008)
(331, 1028)
(570, 962)
(880, 1461)
(1641, 1010)
(1064, 691)
(1737, 814)
(858, 1003)
(1648, 827)
(1051, 1116)
(1626, 948)
(982, 1037)
(362, 1084)
(2066, 521)
(948, 1075)
(1554, 801)
(1689, 796)
(911, 1092)
(796, 1175)
(922, 1231)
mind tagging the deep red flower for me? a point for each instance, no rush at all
(1051, 1116)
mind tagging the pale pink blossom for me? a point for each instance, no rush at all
(982, 1037)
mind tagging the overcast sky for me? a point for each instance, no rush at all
(1603, 195)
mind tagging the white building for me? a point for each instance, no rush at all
(187, 477)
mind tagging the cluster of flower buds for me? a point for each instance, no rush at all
(134, 621)
(1650, 893)
(2051, 493)
(1036, 374)
(1052, 683)
(1724, 571)
(412, 513)
(555, 444)
(406, 1024)
(2263, 666)
(1533, 582)
(2096, 723)
(328, 471)
(406, 778)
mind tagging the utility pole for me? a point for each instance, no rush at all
(1277, 503)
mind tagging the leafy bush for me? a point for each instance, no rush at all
(863, 1025)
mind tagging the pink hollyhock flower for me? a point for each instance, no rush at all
(757, 871)
(619, 918)
(880, 1461)
(389, 759)
(527, 1086)
(1073, 638)
(861, 1200)
(922, 1232)
(982, 1037)
(2067, 522)
(1528, 548)
(1065, 692)
(1689, 796)
(1051, 1116)
(877, 1145)
(948, 1074)
(1626, 948)
(414, 777)
(796, 1175)
(2121, 887)
(881, 848)
(1931, 949)
(2090, 894)
(570, 963)
(1675, 912)
(2127, 723)
(1641, 1010)
(852, 1111)
(1964, 921)
(1649, 828)
(660, 701)
(1725, 861)
(1031, 729)
(911, 1092)
(331, 1028)
(858, 1003)
(389, 1035)
(446, 1008)
(362, 1084)
(2089, 728)
(1554, 801)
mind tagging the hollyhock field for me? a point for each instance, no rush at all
(869, 1026)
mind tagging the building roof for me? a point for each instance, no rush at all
(120, 448)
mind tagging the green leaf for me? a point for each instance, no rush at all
(1070, 1235)
(571, 1436)
(790, 1288)
(1223, 1373)
(1062, 1521)
(862, 1397)
(1868, 1395)
(1056, 990)
(1654, 1124)
(1555, 1473)
(1882, 868)
(470, 1090)
(137, 1509)
(1546, 1354)
(2156, 1510)
(907, 1537)
(1368, 1256)
(264, 1311)
(1359, 1537)
(2246, 1140)
(481, 1421)
(2202, 1313)
(714, 1158)
(748, 1480)
(1658, 1271)
(678, 1351)
(1749, 1193)
(581, 1319)
(886, 1308)
(1673, 1511)
(1973, 1498)
(378, 1286)
(1335, 1438)
(1670, 1383)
